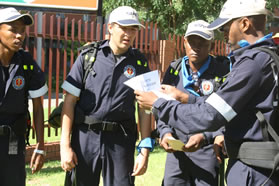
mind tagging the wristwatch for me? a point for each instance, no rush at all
(42, 152)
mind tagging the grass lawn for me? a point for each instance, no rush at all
(53, 175)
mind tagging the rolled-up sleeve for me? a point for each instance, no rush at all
(73, 82)
(37, 85)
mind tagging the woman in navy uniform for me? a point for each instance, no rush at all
(249, 88)
(201, 74)
(15, 86)
(104, 142)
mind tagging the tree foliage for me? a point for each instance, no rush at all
(172, 16)
(270, 4)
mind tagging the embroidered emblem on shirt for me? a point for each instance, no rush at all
(207, 87)
(18, 82)
(129, 71)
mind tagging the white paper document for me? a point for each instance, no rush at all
(149, 81)
(145, 82)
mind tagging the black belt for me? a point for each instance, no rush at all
(103, 126)
(4, 130)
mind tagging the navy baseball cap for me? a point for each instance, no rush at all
(11, 14)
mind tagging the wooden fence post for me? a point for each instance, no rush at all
(166, 54)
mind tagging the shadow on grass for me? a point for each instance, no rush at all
(158, 149)
(47, 170)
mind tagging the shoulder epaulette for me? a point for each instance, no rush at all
(137, 53)
(175, 67)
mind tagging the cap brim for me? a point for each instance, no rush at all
(218, 23)
(27, 19)
(201, 34)
(129, 23)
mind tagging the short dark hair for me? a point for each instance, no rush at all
(258, 21)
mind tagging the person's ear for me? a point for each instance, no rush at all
(110, 28)
(185, 42)
(244, 24)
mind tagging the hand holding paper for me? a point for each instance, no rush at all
(175, 144)
(149, 81)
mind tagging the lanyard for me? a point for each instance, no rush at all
(190, 79)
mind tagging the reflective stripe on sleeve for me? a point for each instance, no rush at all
(39, 92)
(221, 106)
(71, 89)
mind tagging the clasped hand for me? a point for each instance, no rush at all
(194, 143)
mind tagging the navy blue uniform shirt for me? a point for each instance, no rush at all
(12, 100)
(249, 87)
(105, 95)
(208, 84)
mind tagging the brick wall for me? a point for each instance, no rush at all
(52, 151)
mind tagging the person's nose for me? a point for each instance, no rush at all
(20, 36)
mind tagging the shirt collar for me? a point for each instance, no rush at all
(244, 43)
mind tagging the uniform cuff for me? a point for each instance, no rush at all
(146, 143)
(38, 93)
(71, 88)
(165, 131)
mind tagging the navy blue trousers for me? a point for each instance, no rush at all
(109, 153)
(198, 168)
(12, 167)
(242, 175)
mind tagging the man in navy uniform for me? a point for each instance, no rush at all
(201, 74)
(107, 144)
(14, 89)
(250, 88)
